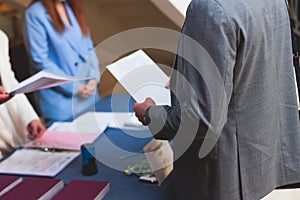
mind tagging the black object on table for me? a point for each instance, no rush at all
(116, 149)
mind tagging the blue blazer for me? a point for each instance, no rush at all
(68, 53)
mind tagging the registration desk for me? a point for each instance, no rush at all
(117, 149)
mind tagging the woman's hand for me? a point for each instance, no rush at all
(4, 96)
(35, 129)
(87, 90)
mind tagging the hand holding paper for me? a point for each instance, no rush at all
(42, 80)
(141, 108)
(4, 96)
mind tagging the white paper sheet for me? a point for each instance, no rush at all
(280, 194)
(121, 120)
(80, 126)
(41, 80)
(36, 162)
(141, 77)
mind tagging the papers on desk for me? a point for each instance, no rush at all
(86, 125)
(36, 162)
(141, 77)
(62, 140)
(69, 135)
(41, 80)
(121, 120)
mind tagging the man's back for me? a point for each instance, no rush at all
(249, 42)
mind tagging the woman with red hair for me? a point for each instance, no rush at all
(57, 40)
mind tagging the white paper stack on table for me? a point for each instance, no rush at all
(81, 125)
(141, 77)
(121, 120)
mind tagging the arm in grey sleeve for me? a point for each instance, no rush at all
(163, 121)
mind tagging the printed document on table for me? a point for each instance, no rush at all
(62, 140)
(42, 80)
(141, 77)
(69, 135)
(36, 162)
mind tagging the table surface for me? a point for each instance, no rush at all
(115, 150)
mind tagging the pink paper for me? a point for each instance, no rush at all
(62, 140)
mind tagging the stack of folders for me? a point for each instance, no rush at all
(82, 189)
(32, 188)
(8, 182)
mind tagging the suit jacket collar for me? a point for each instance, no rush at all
(71, 33)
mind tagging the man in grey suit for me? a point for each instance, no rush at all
(233, 119)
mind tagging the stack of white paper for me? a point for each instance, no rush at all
(122, 120)
(80, 126)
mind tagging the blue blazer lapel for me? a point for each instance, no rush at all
(74, 45)
(70, 36)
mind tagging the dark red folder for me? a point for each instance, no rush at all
(82, 189)
(32, 188)
(8, 182)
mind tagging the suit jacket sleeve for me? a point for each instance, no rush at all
(215, 32)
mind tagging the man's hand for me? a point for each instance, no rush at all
(167, 85)
(35, 129)
(4, 96)
(140, 109)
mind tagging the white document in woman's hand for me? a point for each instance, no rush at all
(41, 80)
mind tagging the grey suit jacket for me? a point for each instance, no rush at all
(258, 148)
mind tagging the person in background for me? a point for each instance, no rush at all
(294, 13)
(233, 91)
(17, 116)
(57, 40)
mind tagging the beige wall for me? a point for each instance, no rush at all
(109, 17)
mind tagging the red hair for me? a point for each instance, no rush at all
(58, 24)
